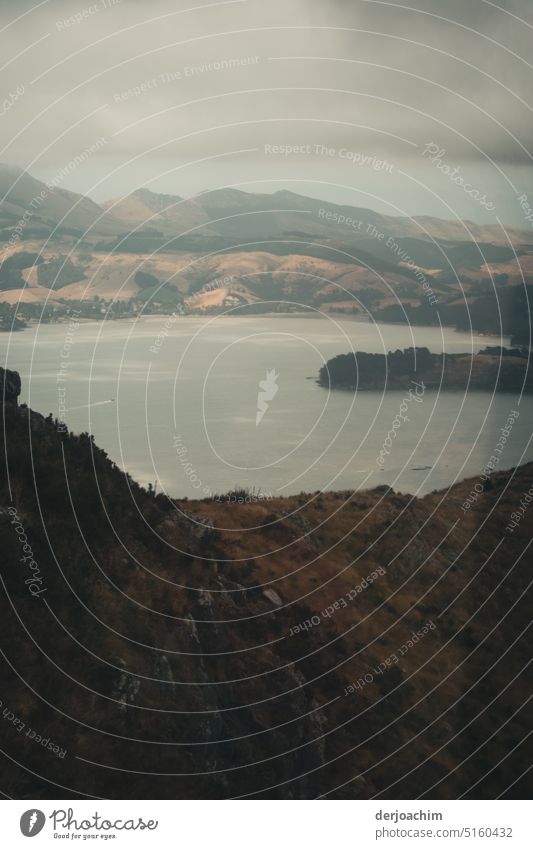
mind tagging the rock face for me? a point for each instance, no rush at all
(9, 386)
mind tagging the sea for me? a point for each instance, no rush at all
(202, 405)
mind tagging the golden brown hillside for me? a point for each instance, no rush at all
(348, 644)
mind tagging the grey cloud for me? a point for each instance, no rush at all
(416, 78)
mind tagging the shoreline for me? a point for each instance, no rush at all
(308, 314)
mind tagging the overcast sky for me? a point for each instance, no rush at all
(189, 95)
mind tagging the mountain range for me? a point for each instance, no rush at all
(222, 212)
(230, 247)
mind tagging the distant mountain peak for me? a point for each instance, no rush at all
(148, 196)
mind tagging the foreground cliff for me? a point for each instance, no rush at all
(491, 370)
(349, 644)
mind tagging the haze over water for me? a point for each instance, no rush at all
(199, 394)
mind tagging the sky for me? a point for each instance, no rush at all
(416, 108)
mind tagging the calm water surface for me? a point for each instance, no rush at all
(184, 413)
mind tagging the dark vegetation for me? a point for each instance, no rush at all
(493, 369)
(10, 268)
(506, 312)
(59, 272)
(145, 280)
